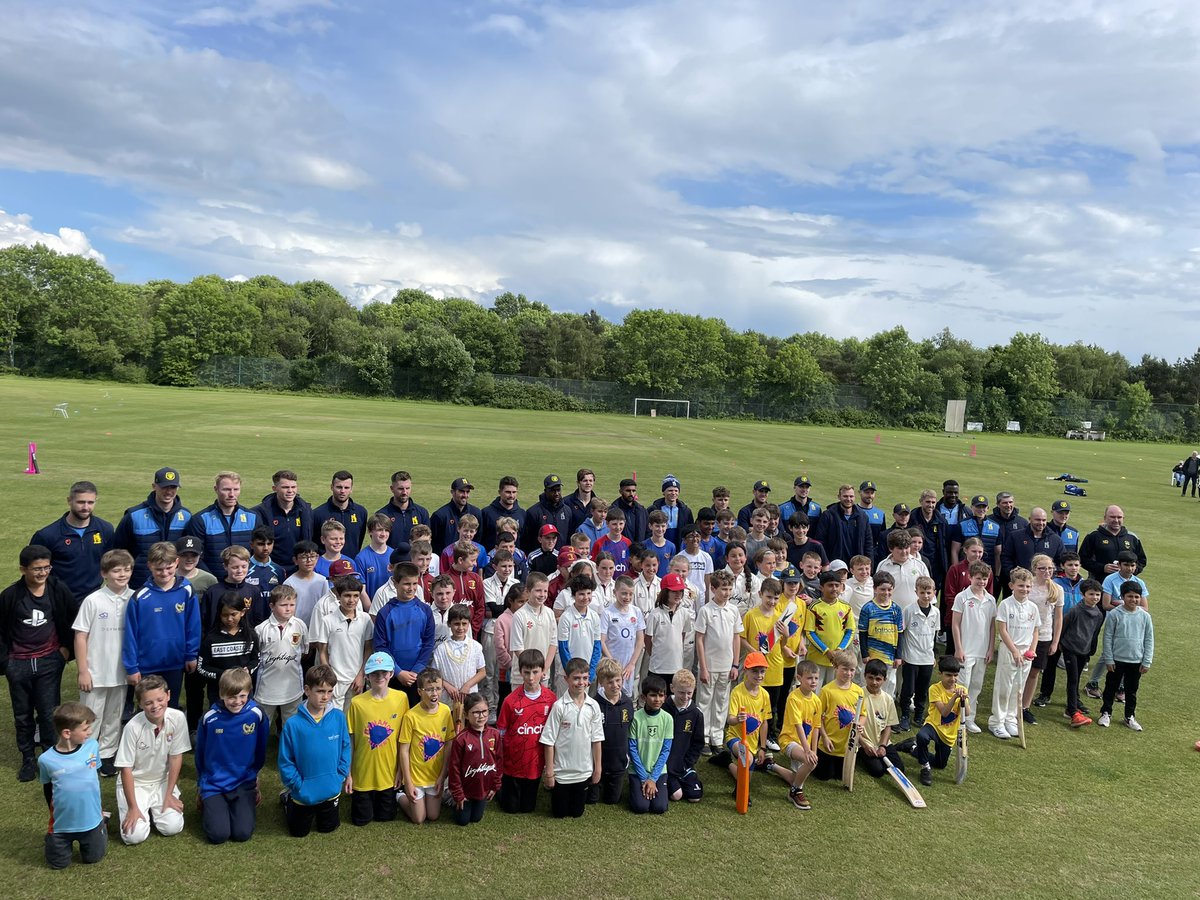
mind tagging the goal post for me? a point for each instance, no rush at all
(657, 406)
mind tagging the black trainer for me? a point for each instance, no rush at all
(926, 775)
(28, 770)
(1028, 717)
(1040, 701)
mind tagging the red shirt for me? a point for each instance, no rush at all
(957, 581)
(468, 589)
(520, 724)
(475, 764)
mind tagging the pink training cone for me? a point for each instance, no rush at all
(972, 453)
(32, 468)
(878, 440)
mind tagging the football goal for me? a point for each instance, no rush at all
(656, 406)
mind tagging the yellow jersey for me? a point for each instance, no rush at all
(374, 731)
(756, 707)
(837, 713)
(428, 736)
(801, 719)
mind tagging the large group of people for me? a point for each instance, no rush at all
(410, 660)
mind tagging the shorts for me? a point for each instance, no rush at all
(1043, 655)
(731, 746)
(421, 791)
(792, 761)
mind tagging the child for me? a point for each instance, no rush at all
(623, 628)
(474, 763)
(534, 627)
(839, 700)
(881, 631)
(425, 734)
(606, 570)
(571, 738)
(718, 646)
(441, 593)
(189, 549)
(308, 584)
(263, 573)
(700, 563)
(513, 600)
(801, 543)
(756, 539)
(149, 759)
(748, 701)
(646, 583)
(506, 539)
(879, 713)
(904, 566)
(946, 699)
(616, 708)
(1048, 598)
(162, 625)
(1081, 631)
(495, 588)
(1126, 571)
(230, 645)
(468, 585)
(418, 537)
(801, 732)
(579, 627)
(459, 659)
(687, 739)
(650, 742)
(810, 569)
(745, 582)
(613, 541)
(374, 721)
(333, 539)
(710, 543)
(231, 747)
(344, 638)
(828, 625)
(973, 624)
(68, 771)
(282, 641)
(314, 757)
(657, 543)
(99, 628)
(544, 560)
(667, 629)
(921, 624)
(521, 721)
(765, 632)
(1128, 653)
(1017, 624)
(958, 579)
(373, 562)
(595, 526)
(468, 527)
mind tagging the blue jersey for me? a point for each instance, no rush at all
(883, 628)
(373, 567)
(664, 554)
(162, 629)
(75, 783)
(230, 748)
(987, 531)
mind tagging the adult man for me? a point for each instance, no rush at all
(1100, 548)
(901, 515)
(678, 514)
(289, 514)
(1020, 547)
(875, 516)
(403, 511)
(762, 492)
(223, 523)
(76, 541)
(341, 508)
(505, 506)
(1060, 511)
(637, 526)
(1006, 515)
(585, 480)
(979, 524)
(800, 502)
(1191, 469)
(934, 549)
(549, 510)
(444, 521)
(844, 529)
(950, 509)
(160, 517)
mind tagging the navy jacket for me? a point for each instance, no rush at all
(688, 739)
(145, 525)
(545, 513)
(1020, 547)
(444, 524)
(353, 518)
(402, 522)
(637, 527)
(934, 550)
(219, 532)
(230, 748)
(76, 559)
(842, 539)
(289, 528)
(493, 513)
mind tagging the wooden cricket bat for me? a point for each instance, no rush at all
(852, 749)
(960, 746)
(1020, 713)
(907, 787)
(742, 797)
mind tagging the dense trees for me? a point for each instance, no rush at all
(65, 315)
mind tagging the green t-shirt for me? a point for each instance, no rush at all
(648, 734)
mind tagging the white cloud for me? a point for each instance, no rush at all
(17, 229)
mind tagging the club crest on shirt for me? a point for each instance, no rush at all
(248, 728)
(296, 639)
(179, 608)
(96, 539)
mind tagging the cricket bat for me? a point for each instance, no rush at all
(1021, 714)
(852, 749)
(907, 787)
(742, 797)
(960, 746)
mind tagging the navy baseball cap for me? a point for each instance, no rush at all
(166, 477)
(1060, 506)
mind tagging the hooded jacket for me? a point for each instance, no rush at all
(546, 512)
(314, 757)
(230, 748)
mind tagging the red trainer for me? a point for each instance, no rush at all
(1079, 719)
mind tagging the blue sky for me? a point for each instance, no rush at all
(990, 167)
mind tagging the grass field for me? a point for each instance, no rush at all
(1097, 813)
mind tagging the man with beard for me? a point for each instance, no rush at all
(341, 508)
(1020, 547)
(505, 506)
(404, 511)
(844, 529)
(1060, 511)
(979, 524)
(1099, 549)
(800, 502)
(549, 510)
(875, 516)
(950, 509)
(934, 548)
(224, 523)
(289, 515)
(762, 492)
(160, 517)
(637, 525)
(76, 541)
(444, 521)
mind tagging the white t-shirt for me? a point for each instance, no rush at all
(606, 594)
(1041, 598)
(1021, 619)
(531, 631)
(744, 598)
(458, 661)
(580, 630)
(858, 593)
(621, 630)
(669, 634)
(977, 616)
(572, 729)
(280, 675)
(920, 629)
(565, 600)
(701, 567)
(905, 575)
(345, 640)
(718, 624)
(385, 594)
(308, 592)
(145, 753)
(101, 617)
(645, 595)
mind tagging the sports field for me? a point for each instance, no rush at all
(1096, 813)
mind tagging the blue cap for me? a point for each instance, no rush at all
(379, 662)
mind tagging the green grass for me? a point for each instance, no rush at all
(1095, 813)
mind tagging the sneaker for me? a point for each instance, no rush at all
(926, 776)
(1093, 691)
(1040, 701)
(707, 750)
(1000, 732)
(1028, 717)
(772, 745)
(1120, 696)
(909, 746)
(28, 770)
(1132, 724)
(972, 728)
(1079, 719)
(1012, 730)
(905, 723)
(283, 797)
(796, 795)
(1105, 720)
(107, 767)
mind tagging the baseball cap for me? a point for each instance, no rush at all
(551, 481)
(1060, 506)
(670, 481)
(166, 477)
(566, 556)
(790, 575)
(761, 485)
(979, 500)
(867, 486)
(673, 582)
(379, 662)
(838, 566)
(341, 567)
(754, 660)
(189, 544)
(901, 508)
(402, 553)
(461, 484)
(547, 529)
(802, 481)
(826, 577)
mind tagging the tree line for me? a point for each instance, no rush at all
(65, 315)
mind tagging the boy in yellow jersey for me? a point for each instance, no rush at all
(425, 736)
(748, 701)
(829, 625)
(800, 732)
(839, 702)
(763, 631)
(374, 720)
(941, 722)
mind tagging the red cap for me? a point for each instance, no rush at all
(673, 582)
(547, 529)
(566, 556)
(341, 567)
